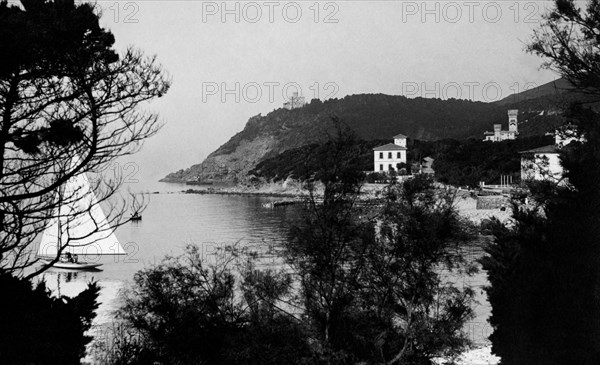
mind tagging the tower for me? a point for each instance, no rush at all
(512, 120)
(497, 132)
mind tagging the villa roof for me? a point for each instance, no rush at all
(545, 149)
(400, 136)
(389, 147)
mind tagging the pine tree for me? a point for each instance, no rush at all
(544, 271)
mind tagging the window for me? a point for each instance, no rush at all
(389, 155)
(391, 168)
(381, 166)
(381, 155)
(399, 155)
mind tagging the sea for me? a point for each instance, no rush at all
(174, 219)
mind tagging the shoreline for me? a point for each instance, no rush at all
(228, 191)
(464, 202)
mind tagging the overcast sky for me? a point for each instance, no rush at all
(232, 60)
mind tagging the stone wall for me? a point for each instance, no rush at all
(492, 202)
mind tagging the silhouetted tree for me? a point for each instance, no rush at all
(543, 269)
(416, 314)
(68, 105)
(568, 42)
(359, 283)
(369, 276)
(38, 328)
(325, 250)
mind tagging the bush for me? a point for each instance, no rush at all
(543, 269)
(186, 312)
(40, 329)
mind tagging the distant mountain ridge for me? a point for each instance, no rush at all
(376, 116)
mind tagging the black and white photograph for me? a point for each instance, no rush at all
(308, 182)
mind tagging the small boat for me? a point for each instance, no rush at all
(71, 265)
(279, 203)
(79, 229)
(136, 217)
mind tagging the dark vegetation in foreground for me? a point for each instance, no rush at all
(352, 296)
(38, 328)
(458, 163)
(62, 84)
(543, 269)
(342, 294)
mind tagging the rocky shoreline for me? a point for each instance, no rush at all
(465, 203)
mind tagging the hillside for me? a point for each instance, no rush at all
(456, 162)
(372, 117)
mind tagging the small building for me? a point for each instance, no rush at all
(426, 166)
(499, 135)
(543, 163)
(295, 102)
(387, 157)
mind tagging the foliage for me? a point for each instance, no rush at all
(376, 177)
(301, 163)
(420, 233)
(70, 105)
(187, 312)
(373, 292)
(457, 163)
(568, 42)
(354, 291)
(469, 162)
(543, 271)
(326, 251)
(40, 329)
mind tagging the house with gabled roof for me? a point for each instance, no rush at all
(543, 163)
(386, 158)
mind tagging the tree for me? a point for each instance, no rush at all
(325, 250)
(185, 311)
(352, 291)
(38, 328)
(568, 42)
(369, 274)
(543, 269)
(69, 105)
(416, 314)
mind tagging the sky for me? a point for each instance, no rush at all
(230, 60)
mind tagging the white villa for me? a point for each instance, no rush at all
(543, 163)
(387, 157)
(499, 135)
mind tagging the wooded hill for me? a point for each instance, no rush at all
(375, 118)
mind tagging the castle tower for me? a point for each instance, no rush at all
(512, 120)
(497, 132)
